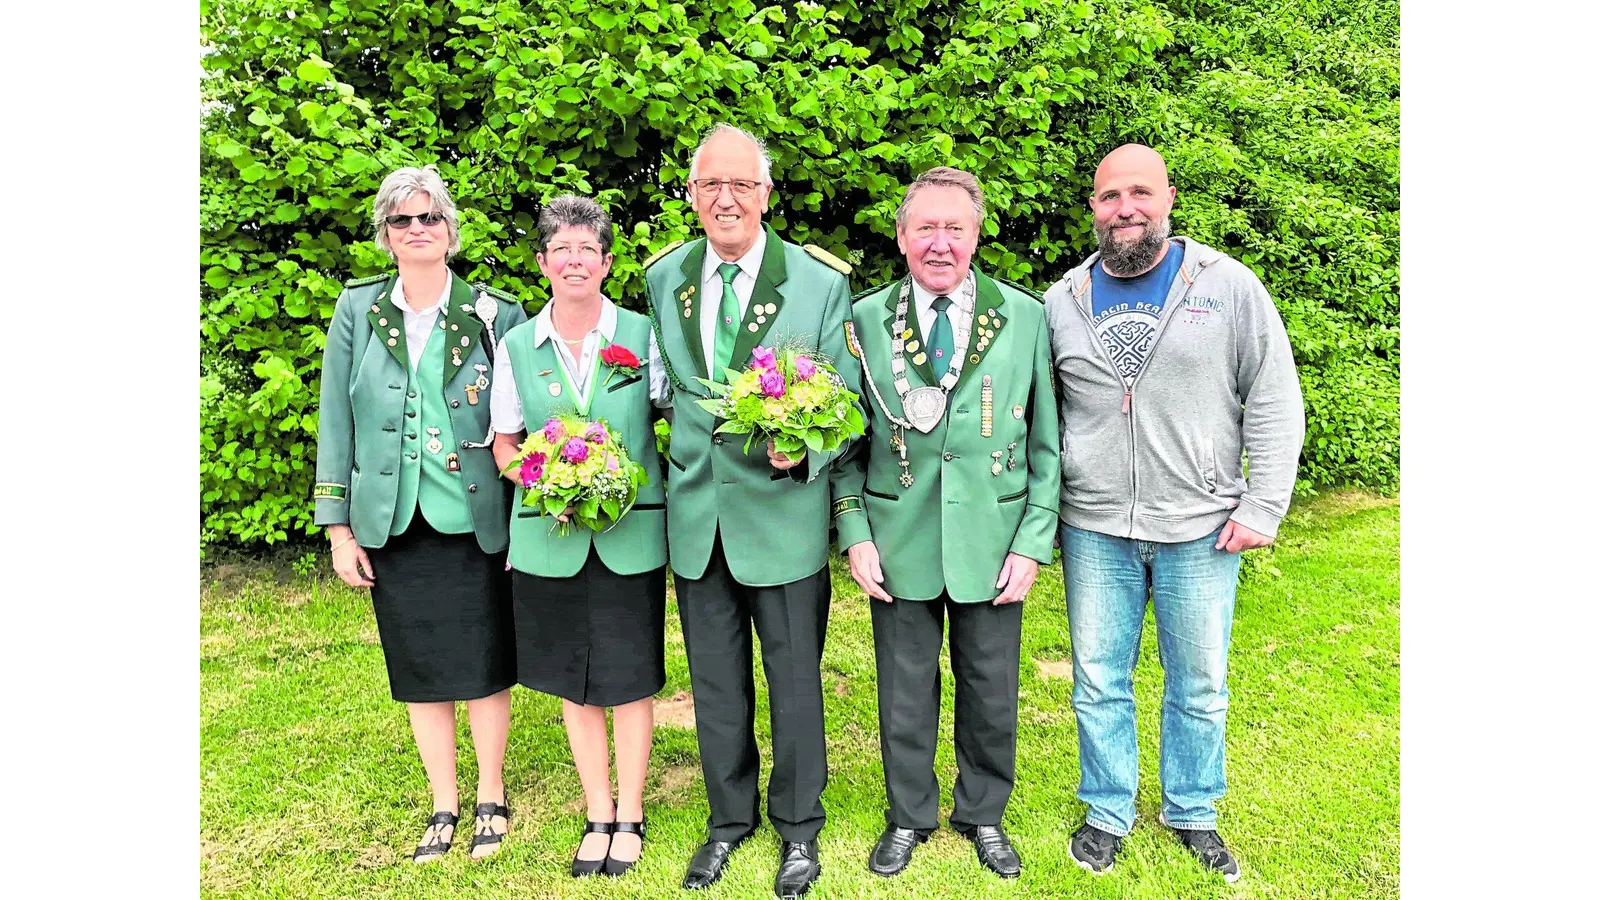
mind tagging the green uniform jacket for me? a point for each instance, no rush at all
(637, 543)
(774, 524)
(360, 419)
(952, 528)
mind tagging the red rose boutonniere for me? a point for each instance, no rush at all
(620, 359)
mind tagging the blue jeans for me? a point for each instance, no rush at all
(1192, 586)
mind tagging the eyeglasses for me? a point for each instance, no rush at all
(401, 221)
(585, 251)
(713, 186)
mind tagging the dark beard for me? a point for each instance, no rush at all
(1132, 259)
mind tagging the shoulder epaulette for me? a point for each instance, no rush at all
(496, 293)
(871, 290)
(1023, 288)
(656, 256)
(370, 279)
(827, 259)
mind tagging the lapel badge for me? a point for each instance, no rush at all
(482, 383)
(545, 372)
(555, 388)
(452, 463)
(1016, 411)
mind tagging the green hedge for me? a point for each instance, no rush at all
(1280, 123)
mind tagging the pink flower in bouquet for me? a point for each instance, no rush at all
(532, 469)
(553, 432)
(804, 368)
(772, 383)
(611, 462)
(576, 451)
(595, 433)
(764, 359)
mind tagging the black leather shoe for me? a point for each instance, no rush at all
(994, 849)
(706, 866)
(892, 853)
(797, 869)
(584, 867)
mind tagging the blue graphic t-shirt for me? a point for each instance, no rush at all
(1125, 311)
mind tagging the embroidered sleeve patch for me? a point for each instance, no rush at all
(850, 339)
(328, 490)
(846, 504)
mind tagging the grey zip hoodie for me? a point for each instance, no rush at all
(1161, 461)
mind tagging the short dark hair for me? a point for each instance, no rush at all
(572, 211)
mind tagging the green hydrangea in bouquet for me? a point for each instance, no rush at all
(571, 462)
(791, 396)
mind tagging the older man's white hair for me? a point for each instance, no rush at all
(398, 187)
(722, 128)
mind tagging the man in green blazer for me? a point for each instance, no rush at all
(949, 512)
(748, 533)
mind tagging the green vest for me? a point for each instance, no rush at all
(425, 479)
(774, 525)
(638, 543)
(952, 528)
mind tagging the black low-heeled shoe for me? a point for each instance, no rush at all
(436, 847)
(582, 867)
(614, 866)
(484, 815)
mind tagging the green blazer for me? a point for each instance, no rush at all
(774, 525)
(636, 544)
(952, 528)
(363, 393)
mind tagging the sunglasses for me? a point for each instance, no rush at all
(401, 221)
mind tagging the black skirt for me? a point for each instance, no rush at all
(595, 638)
(444, 615)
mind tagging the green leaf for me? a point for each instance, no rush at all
(313, 71)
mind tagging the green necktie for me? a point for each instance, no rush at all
(727, 322)
(942, 342)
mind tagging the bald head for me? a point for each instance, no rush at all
(1132, 161)
(1132, 201)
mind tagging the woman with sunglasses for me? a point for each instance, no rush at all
(407, 488)
(590, 607)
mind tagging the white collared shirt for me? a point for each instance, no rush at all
(505, 402)
(419, 323)
(744, 284)
(961, 314)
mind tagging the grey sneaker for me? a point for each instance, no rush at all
(1094, 849)
(1208, 848)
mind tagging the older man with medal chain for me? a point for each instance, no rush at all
(949, 512)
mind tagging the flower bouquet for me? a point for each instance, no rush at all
(574, 463)
(790, 396)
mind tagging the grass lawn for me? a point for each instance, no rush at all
(311, 787)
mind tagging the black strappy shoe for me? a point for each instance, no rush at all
(436, 847)
(582, 867)
(484, 815)
(614, 866)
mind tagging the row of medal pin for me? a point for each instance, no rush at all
(762, 311)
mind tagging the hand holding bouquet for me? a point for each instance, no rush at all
(570, 462)
(790, 396)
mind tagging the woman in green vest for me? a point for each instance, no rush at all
(409, 493)
(590, 608)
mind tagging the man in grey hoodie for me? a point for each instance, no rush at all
(1172, 363)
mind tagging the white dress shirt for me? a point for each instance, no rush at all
(505, 402)
(744, 284)
(960, 313)
(419, 323)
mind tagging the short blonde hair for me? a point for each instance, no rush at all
(942, 176)
(398, 187)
